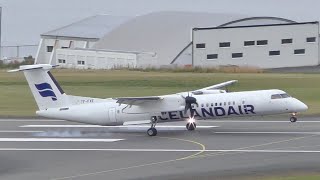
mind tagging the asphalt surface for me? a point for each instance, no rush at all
(220, 149)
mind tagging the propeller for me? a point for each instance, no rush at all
(189, 100)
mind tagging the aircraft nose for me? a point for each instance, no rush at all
(301, 106)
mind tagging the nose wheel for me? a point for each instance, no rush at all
(152, 131)
(293, 118)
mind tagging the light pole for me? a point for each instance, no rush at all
(0, 33)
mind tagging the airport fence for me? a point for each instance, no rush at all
(17, 53)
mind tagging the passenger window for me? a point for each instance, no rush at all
(276, 96)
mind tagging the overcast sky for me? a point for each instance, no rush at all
(24, 20)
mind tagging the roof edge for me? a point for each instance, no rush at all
(257, 18)
(69, 37)
(262, 25)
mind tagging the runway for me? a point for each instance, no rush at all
(221, 149)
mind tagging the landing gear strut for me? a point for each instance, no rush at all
(152, 131)
(293, 118)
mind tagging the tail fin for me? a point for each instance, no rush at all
(45, 89)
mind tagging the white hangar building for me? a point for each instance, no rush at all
(178, 39)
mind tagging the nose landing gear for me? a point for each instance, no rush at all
(293, 118)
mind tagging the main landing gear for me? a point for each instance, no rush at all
(152, 131)
(191, 126)
(293, 118)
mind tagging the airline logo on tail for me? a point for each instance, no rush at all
(46, 90)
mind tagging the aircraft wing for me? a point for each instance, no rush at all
(137, 100)
(218, 86)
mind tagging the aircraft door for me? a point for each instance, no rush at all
(112, 115)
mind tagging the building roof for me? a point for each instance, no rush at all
(93, 27)
(168, 33)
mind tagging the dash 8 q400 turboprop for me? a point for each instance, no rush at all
(206, 103)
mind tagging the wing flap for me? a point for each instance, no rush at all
(137, 100)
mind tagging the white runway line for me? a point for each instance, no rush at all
(262, 121)
(13, 131)
(261, 132)
(97, 126)
(164, 150)
(29, 120)
(57, 140)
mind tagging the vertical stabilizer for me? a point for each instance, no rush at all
(45, 89)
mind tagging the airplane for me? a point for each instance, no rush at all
(207, 103)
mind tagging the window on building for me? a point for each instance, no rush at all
(211, 104)
(274, 53)
(262, 42)
(64, 47)
(249, 43)
(201, 45)
(62, 61)
(299, 51)
(212, 56)
(81, 63)
(237, 55)
(49, 48)
(286, 41)
(224, 44)
(311, 39)
(216, 104)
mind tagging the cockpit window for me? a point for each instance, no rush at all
(279, 96)
(285, 95)
(276, 96)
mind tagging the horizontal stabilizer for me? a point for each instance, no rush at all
(33, 67)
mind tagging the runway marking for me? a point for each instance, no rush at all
(166, 150)
(217, 153)
(30, 120)
(97, 126)
(57, 140)
(198, 152)
(269, 132)
(13, 131)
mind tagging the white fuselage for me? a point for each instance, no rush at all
(171, 108)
